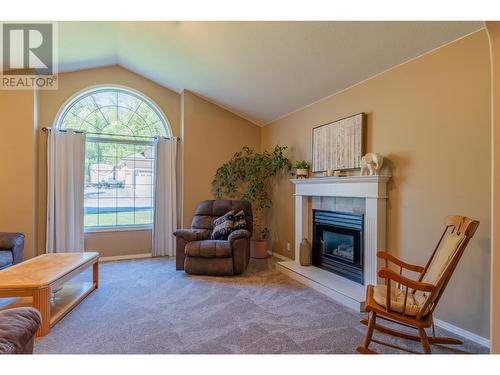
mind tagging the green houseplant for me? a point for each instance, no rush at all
(248, 176)
(301, 168)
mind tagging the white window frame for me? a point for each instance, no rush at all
(66, 107)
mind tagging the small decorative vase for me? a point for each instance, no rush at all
(302, 172)
(258, 249)
(305, 253)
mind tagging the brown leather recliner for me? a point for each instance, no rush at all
(197, 254)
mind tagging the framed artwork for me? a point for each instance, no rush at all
(339, 145)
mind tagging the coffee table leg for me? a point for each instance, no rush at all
(96, 274)
(41, 301)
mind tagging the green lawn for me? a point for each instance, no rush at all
(118, 218)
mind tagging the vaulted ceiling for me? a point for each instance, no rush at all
(260, 70)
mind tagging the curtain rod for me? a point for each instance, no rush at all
(45, 129)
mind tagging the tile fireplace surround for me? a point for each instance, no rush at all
(359, 194)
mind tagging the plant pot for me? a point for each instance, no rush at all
(302, 172)
(258, 249)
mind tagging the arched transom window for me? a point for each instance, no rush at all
(121, 125)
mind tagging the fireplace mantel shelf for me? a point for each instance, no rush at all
(351, 186)
(373, 191)
(340, 180)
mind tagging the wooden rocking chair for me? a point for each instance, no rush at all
(412, 302)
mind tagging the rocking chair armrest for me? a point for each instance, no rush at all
(386, 273)
(388, 257)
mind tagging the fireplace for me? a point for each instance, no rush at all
(338, 243)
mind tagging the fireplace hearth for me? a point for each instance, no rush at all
(338, 243)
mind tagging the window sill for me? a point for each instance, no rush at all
(123, 228)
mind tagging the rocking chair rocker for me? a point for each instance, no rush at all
(412, 302)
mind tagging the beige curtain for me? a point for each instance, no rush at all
(165, 207)
(65, 186)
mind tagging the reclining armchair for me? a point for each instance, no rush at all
(197, 254)
(11, 249)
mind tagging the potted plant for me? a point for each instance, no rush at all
(248, 176)
(258, 247)
(301, 168)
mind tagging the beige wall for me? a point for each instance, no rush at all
(118, 243)
(211, 135)
(17, 165)
(431, 119)
(110, 243)
(494, 33)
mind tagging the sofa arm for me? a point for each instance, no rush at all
(13, 242)
(18, 327)
(190, 235)
(239, 233)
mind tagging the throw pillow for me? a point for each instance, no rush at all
(223, 226)
(239, 221)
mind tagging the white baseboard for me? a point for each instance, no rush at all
(462, 332)
(124, 257)
(280, 257)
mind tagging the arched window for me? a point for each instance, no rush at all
(121, 125)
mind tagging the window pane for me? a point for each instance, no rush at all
(111, 116)
(119, 184)
(124, 115)
(83, 108)
(147, 114)
(96, 120)
(144, 216)
(128, 101)
(91, 215)
(125, 215)
(107, 212)
(105, 98)
(124, 150)
(72, 122)
(139, 126)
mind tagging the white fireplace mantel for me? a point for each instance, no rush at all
(351, 186)
(373, 191)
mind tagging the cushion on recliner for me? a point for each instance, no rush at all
(239, 221)
(223, 226)
(6, 258)
(209, 249)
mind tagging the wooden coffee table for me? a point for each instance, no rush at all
(34, 280)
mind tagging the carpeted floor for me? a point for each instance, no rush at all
(145, 306)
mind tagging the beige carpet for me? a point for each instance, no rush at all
(145, 306)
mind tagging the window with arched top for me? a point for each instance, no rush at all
(121, 126)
